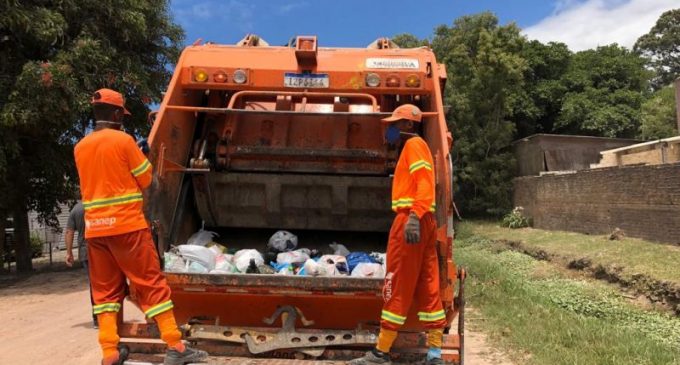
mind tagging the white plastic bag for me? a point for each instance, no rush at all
(173, 262)
(217, 248)
(312, 268)
(201, 238)
(196, 268)
(339, 249)
(334, 265)
(199, 254)
(282, 241)
(293, 257)
(368, 270)
(287, 270)
(222, 263)
(242, 259)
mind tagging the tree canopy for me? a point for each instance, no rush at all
(661, 46)
(55, 54)
(502, 87)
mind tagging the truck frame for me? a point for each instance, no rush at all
(250, 138)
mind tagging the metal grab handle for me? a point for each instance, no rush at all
(453, 202)
(371, 98)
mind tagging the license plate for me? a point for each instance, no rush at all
(305, 80)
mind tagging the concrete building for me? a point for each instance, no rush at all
(542, 153)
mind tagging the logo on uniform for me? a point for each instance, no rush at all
(387, 289)
(100, 223)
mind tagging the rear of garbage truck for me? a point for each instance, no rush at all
(253, 138)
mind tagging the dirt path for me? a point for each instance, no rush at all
(46, 320)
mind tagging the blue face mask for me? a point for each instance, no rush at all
(392, 134)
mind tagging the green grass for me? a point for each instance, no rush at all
(543, 317)
(634, 256)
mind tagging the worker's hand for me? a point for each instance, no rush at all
(69, 259)
(412, 229)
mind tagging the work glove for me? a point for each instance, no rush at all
(412, 229)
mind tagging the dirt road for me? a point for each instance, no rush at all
(46, 320)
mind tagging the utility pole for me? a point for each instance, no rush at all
(677, 102)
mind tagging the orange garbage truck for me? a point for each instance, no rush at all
(251, 139)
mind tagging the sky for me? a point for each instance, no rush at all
(581, 24)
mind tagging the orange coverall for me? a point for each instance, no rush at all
(412, 269)
(113, 172)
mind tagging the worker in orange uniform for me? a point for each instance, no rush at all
(412, 267)
(113, 172)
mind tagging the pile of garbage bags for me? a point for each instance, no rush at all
(202, 255)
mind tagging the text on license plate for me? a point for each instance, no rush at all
(305, 80)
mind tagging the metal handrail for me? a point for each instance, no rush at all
(374, 101)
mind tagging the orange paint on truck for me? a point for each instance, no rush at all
(245, 139)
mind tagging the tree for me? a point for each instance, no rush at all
(485, 71)
(405, 40)
(605, 88)
(55, 54)
(658, 115)
(661, 46)
(537, 105)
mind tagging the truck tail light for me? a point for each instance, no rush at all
(393, 81)
(240, 77)
(220, 76)
(373, 80)
(412, 81)
(200, 75)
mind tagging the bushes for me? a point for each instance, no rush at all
(515, 219)
(36, 246)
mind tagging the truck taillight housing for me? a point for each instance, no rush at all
(240, 77)
(200, 75)
(393, 81)
(373, 80)
(412, 81)
(220, 76)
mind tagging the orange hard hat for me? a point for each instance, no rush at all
(406, 111)
(108, 96)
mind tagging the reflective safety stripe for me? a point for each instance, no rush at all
(420, 164)
(394, 318)
(116, 200)
(158, 309)
(432, 316)
(408, 202)
(106, 307)
(402, 203)
(142, 168)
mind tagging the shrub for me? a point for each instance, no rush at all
(36, 246)
(515, 219)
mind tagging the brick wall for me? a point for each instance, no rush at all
(644, 201)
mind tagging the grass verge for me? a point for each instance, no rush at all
(544, 317)
(647, 268)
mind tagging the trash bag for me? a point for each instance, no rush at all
(266, 269)
(242, 259)
(198, 254)
(293, 257)
(334, 265)
(216, 248)
(287, 269)
(339, 249)
(368, 270)
(378, 257)
(312, 268)
(201, 238)
(355, 258)
(173, 262)
(282, 241)
(197, 268)
(223, 263)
